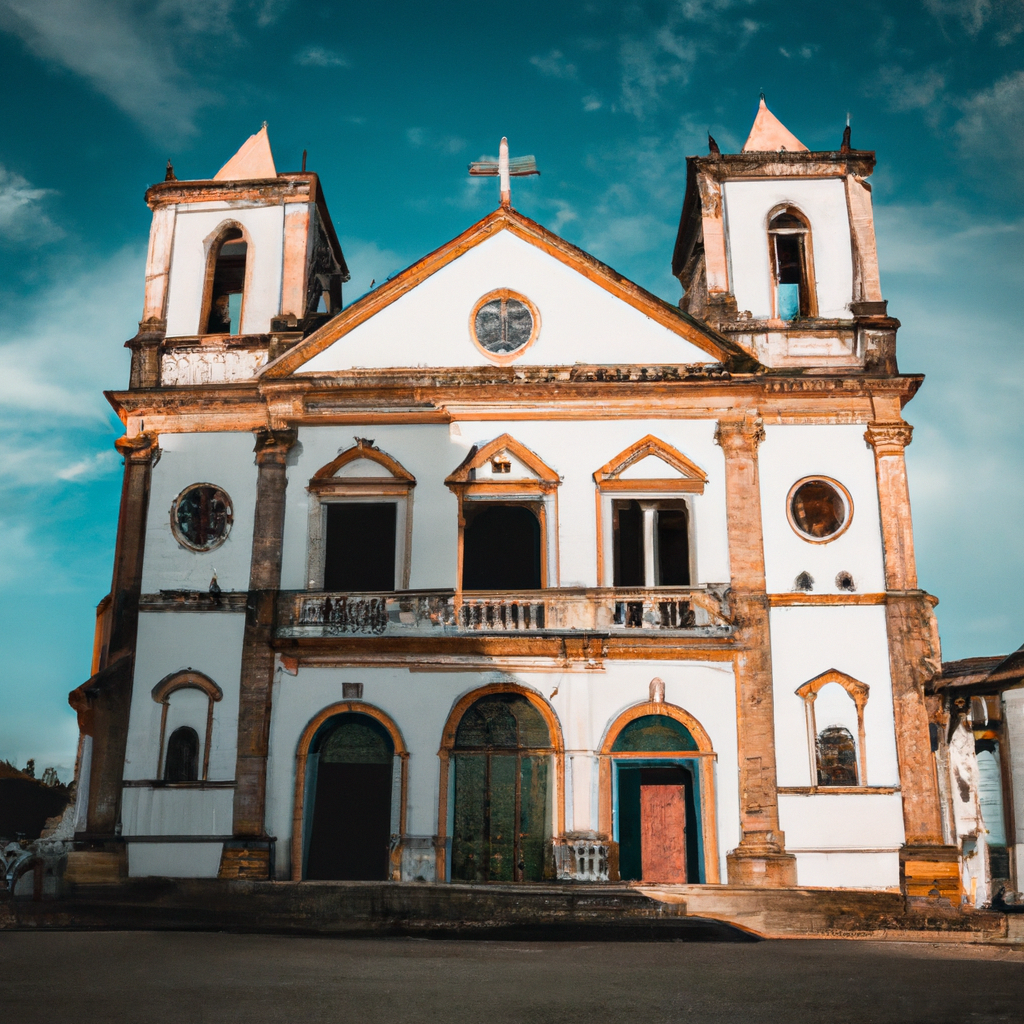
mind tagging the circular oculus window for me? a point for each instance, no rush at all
(201, 517)
(819, 509)
(504, 324)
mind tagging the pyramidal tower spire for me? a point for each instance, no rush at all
(770, 134)
(253, 160)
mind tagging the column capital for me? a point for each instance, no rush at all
(740, 436)
(888, 438)
(274, 445)
(141, 448)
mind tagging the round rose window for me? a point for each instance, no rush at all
(201, 517)
(819, 509)
(503, 324)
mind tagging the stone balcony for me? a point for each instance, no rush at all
(684, 611)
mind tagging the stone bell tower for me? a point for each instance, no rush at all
(240, 267)
(776, 249)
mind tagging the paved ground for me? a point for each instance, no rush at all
(181, 978)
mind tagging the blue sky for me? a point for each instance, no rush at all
(392, 100)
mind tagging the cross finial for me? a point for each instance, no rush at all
(504, 170)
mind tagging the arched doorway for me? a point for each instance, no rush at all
(502, 758)
(350, 772)
(657, 796)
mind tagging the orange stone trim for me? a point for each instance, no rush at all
(362, 449)
(504, 293)
(302, 755)
(858, 691)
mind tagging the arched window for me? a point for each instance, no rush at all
(837, 757)
(182, 764)
(225, 284)
(789, 242)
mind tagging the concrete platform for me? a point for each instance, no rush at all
(538, 911)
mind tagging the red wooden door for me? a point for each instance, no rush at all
(662, 830)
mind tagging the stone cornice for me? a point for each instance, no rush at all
(888, 438)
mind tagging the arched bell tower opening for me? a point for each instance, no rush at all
(224, 296)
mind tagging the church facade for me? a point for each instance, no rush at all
(510, 570)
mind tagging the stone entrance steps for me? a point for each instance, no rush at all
(539, 911)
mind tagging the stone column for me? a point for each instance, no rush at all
(249, 855)
(926, 863)
(761, 858)
(104, 702)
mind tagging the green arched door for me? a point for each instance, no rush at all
(502, 820)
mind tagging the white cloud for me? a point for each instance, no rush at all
(319, 57)
(419, 137)
(141, 55)
(1006, 16)
(554, 65)
(989, 130)
(904, 90)
(22, 219)
(592, 102)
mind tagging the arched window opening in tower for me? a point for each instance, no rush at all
(789, 238)
(501, 547)
(224, 311)
(182, 764)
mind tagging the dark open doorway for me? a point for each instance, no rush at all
(351, 775)
(502, 819)
(501, 547)
(360, 546)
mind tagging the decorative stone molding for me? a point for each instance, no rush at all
(141, 449)
(274, 445)
(888, 438)
(740, 436)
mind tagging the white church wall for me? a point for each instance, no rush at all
(844, 840)
(823, 203)
(1013, 749)
(169, 642)
(225, 460)
(788, 454)
(176, 811)
(174, 860)
(809, 641)
(581, 322)
(585, 703)
(195, 226)
(574, 449)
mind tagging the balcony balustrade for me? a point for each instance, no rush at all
(687, 611)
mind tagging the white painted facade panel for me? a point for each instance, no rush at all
(847, 821)
(580, 321)
(197, 227)
(586, 705)
(176, 811)
(174, 860)
(223, 459)
(809, 641)
(822, 201)
(836, 451)
(169, 642)
(575, 449)
(879, 870)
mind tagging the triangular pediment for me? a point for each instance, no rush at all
(582, 311)
(651, 464)
(503, 461)
(363, 462)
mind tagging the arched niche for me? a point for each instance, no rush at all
(300, 810)
(163, 692)
(229, 271)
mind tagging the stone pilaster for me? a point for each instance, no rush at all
(103, 703)
(761, 858)
(914, 658)
(248, 857)
(145, 348)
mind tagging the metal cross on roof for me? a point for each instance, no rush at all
(505, 169)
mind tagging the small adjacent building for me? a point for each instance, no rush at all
(509, 570)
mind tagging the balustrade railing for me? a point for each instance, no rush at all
(702, 611)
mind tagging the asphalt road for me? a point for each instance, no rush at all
(181, 978)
